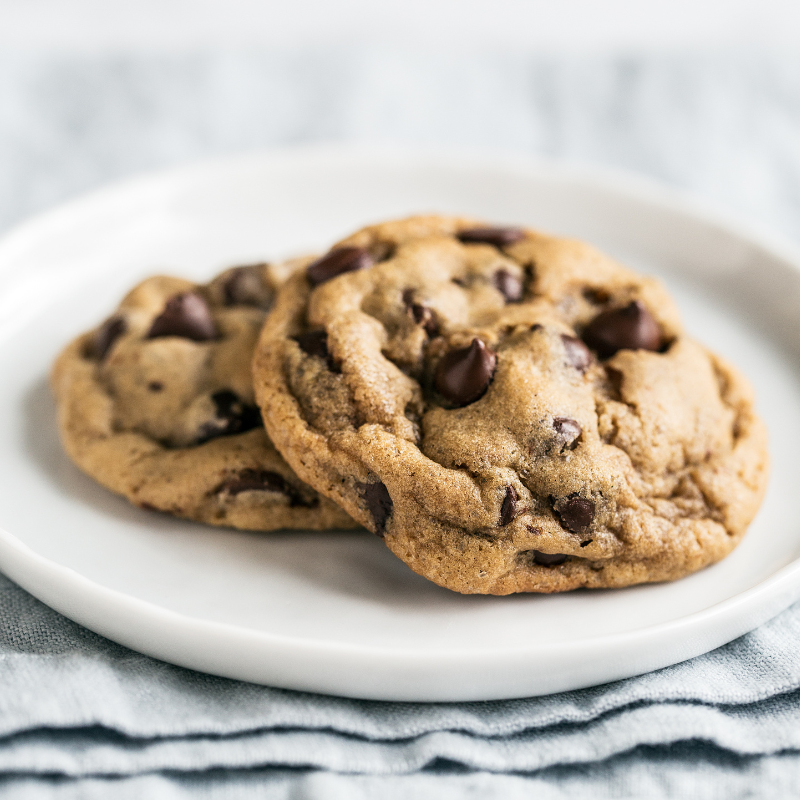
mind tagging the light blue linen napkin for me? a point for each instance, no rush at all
(77, 711)
(81, 717)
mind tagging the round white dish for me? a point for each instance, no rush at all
(336, 612)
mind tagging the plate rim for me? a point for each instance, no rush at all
(782, 586)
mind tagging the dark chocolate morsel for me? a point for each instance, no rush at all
(232, 415)
(245, 287)
(575, 513)
(155, 386)
(337, 262)
(105, 336)
(382, 251)
(509, 285)
(568, 432)
(509, 508)
(379, 504)
(577, 353)
(425, 317)
(421, 314)
(533, 531)
(186, 315)
(314, 343)
(499, 237)
(260, 480)
(463, 375)
(630, 328)
(548, 559)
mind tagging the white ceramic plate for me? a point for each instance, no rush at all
(336, 612)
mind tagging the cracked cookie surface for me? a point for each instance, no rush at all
(510, 411)
(157, 405)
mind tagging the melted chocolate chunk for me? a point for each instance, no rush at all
(548, 559)
(509, 285)
(245, 287)
(379, 504)
(232, 415)
(499, 237)
(630, 328)
(568, 431)
(577, 353)
(105, 336)
(337, 262)
(186, 315)
(421, 314)
(575, 513)
(382, 251)
(533, 531)
(425, 317)
(259, 480)
(314, 343)
(509, 508)
(463, 375)
(615, 381)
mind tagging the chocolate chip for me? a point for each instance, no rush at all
(232, 415)
(596, 296)
(105, 336)
(575, 513)
(314, 343)
(463, 375)
(568, 431)
(577, 353)
(533, 531)
(337, 262)
(382, 251)
(499, 237)
(186, 315)
(259, 480)
(425, 317)
(244, 286)
(509, 508)
(509, 285)
(421, 314)
(548, 559)
(615, 381)
(630, 328)
(155, 386)
(379, 504)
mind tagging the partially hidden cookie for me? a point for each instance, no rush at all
(511, 412)
(157, 405)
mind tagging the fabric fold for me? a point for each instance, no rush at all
(79, 706)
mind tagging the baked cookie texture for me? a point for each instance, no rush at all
(511, 412)
(157, 405)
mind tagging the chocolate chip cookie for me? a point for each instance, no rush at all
(511, 412)
(157, 405)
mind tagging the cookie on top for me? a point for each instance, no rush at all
(509, 411)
